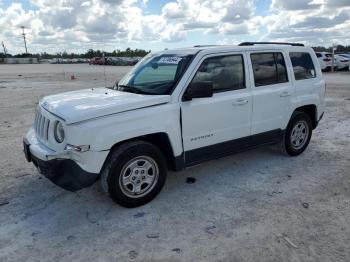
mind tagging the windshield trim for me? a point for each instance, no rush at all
(173, 86)
(171, 91)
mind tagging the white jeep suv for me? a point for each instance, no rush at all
(175, 109)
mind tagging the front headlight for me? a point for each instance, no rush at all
(59, 132)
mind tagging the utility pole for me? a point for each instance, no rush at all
(24, 38)
(3, 46)
(334, 47)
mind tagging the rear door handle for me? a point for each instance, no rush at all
(285, 94)
(240, 102)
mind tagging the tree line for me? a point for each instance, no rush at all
(128, 52)
(339, 49)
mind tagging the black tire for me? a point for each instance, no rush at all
(118, 161)
(290, 144)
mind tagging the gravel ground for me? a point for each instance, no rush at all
(254, 206)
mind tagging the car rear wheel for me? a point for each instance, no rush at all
(134, 173)
(298, 134)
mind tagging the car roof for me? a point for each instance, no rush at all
(209, 49)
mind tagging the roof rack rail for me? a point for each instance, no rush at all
(269, 43)
(203, 45)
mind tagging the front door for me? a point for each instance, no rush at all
(210, 125)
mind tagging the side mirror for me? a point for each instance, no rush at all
(199, 90)
(154, 65)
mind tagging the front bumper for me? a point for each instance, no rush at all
(57, 167)
(65, 173)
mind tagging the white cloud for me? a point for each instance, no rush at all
(311, 22)
(295, 4)
(337, 3)
(173, 10)
(234, 29)
(63, 24)
(174, 34)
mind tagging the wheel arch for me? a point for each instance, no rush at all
(311, 111)
(161, 140)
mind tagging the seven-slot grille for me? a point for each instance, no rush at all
(41, 126)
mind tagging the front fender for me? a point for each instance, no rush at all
(102, 133)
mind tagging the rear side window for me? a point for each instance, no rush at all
(269, 68)
(318, 55)
(303, 66)
(226, 72)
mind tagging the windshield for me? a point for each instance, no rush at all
(155, 74)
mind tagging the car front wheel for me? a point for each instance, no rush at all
(134, 173)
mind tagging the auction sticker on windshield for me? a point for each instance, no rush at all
(170, 60)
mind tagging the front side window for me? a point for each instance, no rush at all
(303, 66)
(225, 72)
(155, 74)
(269, 68)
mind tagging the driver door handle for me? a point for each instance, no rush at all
(240, 102)
(285, 94)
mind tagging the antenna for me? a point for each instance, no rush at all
(3, 46)
(104, 62)
(104, 67)
(24, 38)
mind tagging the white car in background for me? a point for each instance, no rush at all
(342, 61)
(325, 60)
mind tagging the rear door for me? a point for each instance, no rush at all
(272, 92)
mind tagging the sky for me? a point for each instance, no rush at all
(77, 25)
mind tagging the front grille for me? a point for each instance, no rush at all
(41, 126)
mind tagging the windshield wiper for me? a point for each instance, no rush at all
(133, 89)
(127, 88)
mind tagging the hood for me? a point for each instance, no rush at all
(87, 104)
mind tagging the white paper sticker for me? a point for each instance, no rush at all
(169, 60)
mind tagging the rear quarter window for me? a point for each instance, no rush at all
(303, 65)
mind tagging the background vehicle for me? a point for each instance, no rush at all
(344, 55)
(122, 61)
(176, 109)
(325, 60)
(342, 61)
(97, 61)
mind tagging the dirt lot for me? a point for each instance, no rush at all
(254, 206)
